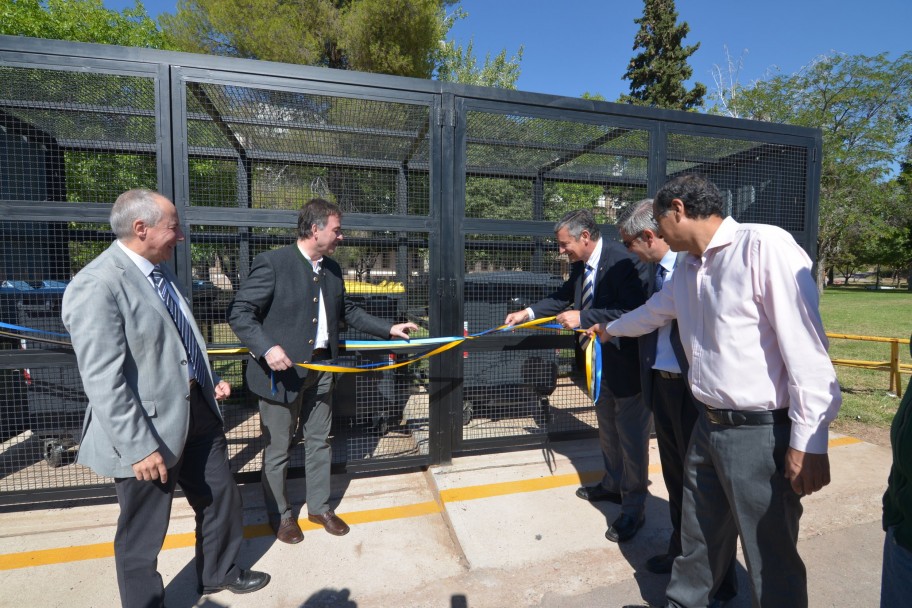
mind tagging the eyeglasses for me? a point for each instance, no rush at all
(629, 244)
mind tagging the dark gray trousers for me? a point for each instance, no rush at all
(675, 414)
(145, 509)
(623, 424)
(307, 418)
(734, 487)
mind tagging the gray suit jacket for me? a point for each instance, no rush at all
(133, 366)
(278, 303)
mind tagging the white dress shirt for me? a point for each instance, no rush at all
(322, 339)
(748, 316)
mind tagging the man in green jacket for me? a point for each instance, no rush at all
(896, 581)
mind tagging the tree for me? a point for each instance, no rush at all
(657, 74)
(398, 37)
(456, 64)
(863, 106)
(80, 21)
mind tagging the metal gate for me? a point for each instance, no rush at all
(449, 192)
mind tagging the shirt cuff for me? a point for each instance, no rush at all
(813, 440)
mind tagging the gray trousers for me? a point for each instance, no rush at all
(734, 486)
(307, 418)
(623, 424)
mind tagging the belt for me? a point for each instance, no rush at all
(668, 375)
(739, 418)
(320, 354)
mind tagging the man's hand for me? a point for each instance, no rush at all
(569, 319)
(401, 330)
(807, 472)
(151, 467)
(598, 330)
(277, 360)
(515, 318)
(222, 390)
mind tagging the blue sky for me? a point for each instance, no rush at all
(575, 46)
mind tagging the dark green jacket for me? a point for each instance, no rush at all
(897, 501)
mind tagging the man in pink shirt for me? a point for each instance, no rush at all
(746, 303)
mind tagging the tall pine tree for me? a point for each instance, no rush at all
(658, 72)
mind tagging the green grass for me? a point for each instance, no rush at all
(855, 310)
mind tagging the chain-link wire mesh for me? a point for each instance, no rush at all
(533, 168)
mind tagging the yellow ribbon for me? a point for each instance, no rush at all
(392, 344)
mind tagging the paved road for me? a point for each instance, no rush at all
(487, 531)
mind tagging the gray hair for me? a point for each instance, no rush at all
(577, 221)
(637, 217)
(132, 205)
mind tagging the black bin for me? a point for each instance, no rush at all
(504, 383)
(377, 398)
(55, 395)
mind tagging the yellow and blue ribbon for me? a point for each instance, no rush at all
(593, 356)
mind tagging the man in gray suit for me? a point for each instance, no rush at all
(287, 311)
(152, 421)
(663, 373)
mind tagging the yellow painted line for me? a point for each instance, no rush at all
(840, 441)
(46, 557)
(60, 555)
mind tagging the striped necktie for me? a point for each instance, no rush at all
(586, 299)
(194, 353)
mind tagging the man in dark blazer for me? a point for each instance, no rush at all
(618, 285)
(152, 421)
(663, 373)
(288, 310)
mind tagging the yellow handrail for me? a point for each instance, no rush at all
(893, 366)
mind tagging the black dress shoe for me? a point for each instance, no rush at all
(597, 493)
(248, 582)
(624, 528)
(660, 564)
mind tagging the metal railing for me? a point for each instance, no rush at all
(893, 366)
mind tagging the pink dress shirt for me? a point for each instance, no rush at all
(748, 316)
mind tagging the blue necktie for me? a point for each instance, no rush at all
(661, 272)
(194, 353)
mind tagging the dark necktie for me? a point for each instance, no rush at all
(586, 299)
(661, 272)
(587, 289)
(194, 353)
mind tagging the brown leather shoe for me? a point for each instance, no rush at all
(288, 531)
(330, 522)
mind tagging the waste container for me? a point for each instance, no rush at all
(54, 392)
(375, 399)
(513, 383)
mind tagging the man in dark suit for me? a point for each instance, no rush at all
(288, 310)
(152, 421)
(605, 282)
(663, 373)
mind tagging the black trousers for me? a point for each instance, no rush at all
(145, 509)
